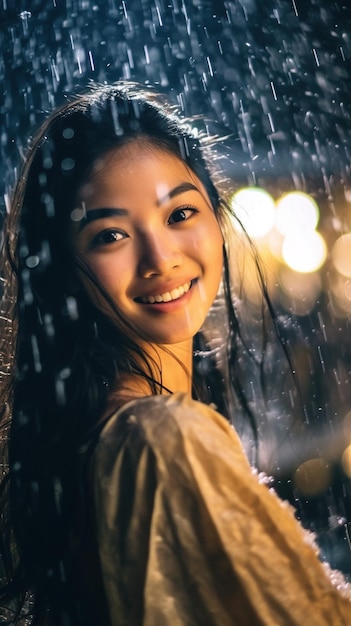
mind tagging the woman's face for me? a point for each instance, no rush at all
(151, 238)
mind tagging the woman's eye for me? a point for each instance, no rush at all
(107, 236)
(181, 215)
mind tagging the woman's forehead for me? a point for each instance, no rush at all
(133, 159)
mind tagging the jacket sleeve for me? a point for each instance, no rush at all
(187, 534)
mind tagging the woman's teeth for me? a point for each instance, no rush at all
(168, 295)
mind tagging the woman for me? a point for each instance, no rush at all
(128, 499)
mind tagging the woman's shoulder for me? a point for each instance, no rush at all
(171, 426)
(161, 413)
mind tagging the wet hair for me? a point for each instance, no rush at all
(60, 356)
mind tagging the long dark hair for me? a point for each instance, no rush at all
(60, 355)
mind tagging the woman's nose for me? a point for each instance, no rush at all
(158, 255)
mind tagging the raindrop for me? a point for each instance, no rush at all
(72, 308)
(68, 133)
(295, 7)
(32, 261)
(77, 214)
(36, 354)
(67, 164)
(25, 15)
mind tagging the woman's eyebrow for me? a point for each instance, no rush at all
(181, 188)
(98, 214)
(101, 212)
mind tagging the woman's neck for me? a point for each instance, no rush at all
(177, 366)
(171, 369)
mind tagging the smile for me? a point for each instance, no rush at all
(168, 296)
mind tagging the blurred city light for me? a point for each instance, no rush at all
(299, 291)
(287, 226)
(346, 461)
(255, 208)
(304, 251)
(341, 255)
(313, 477)
(296, 211)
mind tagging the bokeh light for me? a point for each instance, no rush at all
(299, 291)
(296, 211)
(346, 461)
(341, 255)
(313, 477)
(340, 291)
(304, 251)
(255, 208)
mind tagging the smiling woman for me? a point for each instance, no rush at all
(128, 499)
(157, 249)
